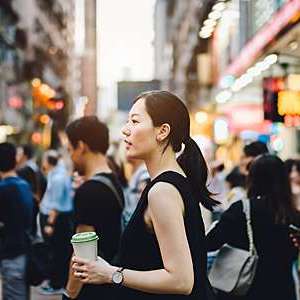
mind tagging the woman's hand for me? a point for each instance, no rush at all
(92, 272)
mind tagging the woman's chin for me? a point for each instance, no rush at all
(130, 155)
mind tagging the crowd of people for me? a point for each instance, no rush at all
(152, 241)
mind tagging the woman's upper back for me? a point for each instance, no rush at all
(139, 245)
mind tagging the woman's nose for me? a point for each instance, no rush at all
(125, 130)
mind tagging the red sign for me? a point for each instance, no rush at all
(268, 32)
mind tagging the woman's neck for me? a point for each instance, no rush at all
(158, 163)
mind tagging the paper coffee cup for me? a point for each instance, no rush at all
(85, 245)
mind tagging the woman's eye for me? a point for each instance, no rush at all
(134, 121)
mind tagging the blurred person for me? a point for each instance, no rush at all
(56, 221)
(217, 183)
(236, 186)
(218, 188)
(271, 210)
(293, 170)
(250, 151)
(16, 210)
(96, 206)
(117, 169)
(28, 169)
(138, 180)
(163, 253)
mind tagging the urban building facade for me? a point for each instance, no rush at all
(48, 64)
(236, 64)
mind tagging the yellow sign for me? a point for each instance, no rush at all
(289, 103)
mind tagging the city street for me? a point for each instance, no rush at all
(161, 136)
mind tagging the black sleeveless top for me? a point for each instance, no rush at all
(139, 249)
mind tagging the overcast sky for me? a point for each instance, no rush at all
(126, 36)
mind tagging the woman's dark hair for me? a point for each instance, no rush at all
(268, 179)
(164, 107)
(91, 131)
(289, 163)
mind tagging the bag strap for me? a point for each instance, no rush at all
(110, 185)
(246, 209)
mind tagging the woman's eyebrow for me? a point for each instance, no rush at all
(135, 115)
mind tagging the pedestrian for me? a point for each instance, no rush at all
(236, 185)
(250, 151)
(138, 180)
(28, 169)
(293, 170)
(16, 210)
(96, 206)
(56, 219)
(271, 211)
(163, 252)
(218, 188)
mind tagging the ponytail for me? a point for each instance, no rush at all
(193, 164)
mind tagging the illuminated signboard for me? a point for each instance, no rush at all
(289, 103)
(263, 37)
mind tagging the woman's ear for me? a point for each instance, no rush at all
(163, 132)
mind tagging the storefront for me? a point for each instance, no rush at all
(263, 71)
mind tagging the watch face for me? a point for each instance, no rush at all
(117, 277)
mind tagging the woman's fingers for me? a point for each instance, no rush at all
(82, 276)
(79, 268)
(79, 260)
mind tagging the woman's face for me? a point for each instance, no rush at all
(140, 135)
(295, 180)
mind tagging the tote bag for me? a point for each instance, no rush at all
(234, 269)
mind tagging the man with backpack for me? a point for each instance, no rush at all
(98, 201)
(16, 209)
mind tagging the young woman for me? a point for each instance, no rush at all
(163, 251)
(271, 213)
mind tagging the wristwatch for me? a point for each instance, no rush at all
(118, 277)
(66, 296)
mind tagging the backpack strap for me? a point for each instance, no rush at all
(110, 185)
